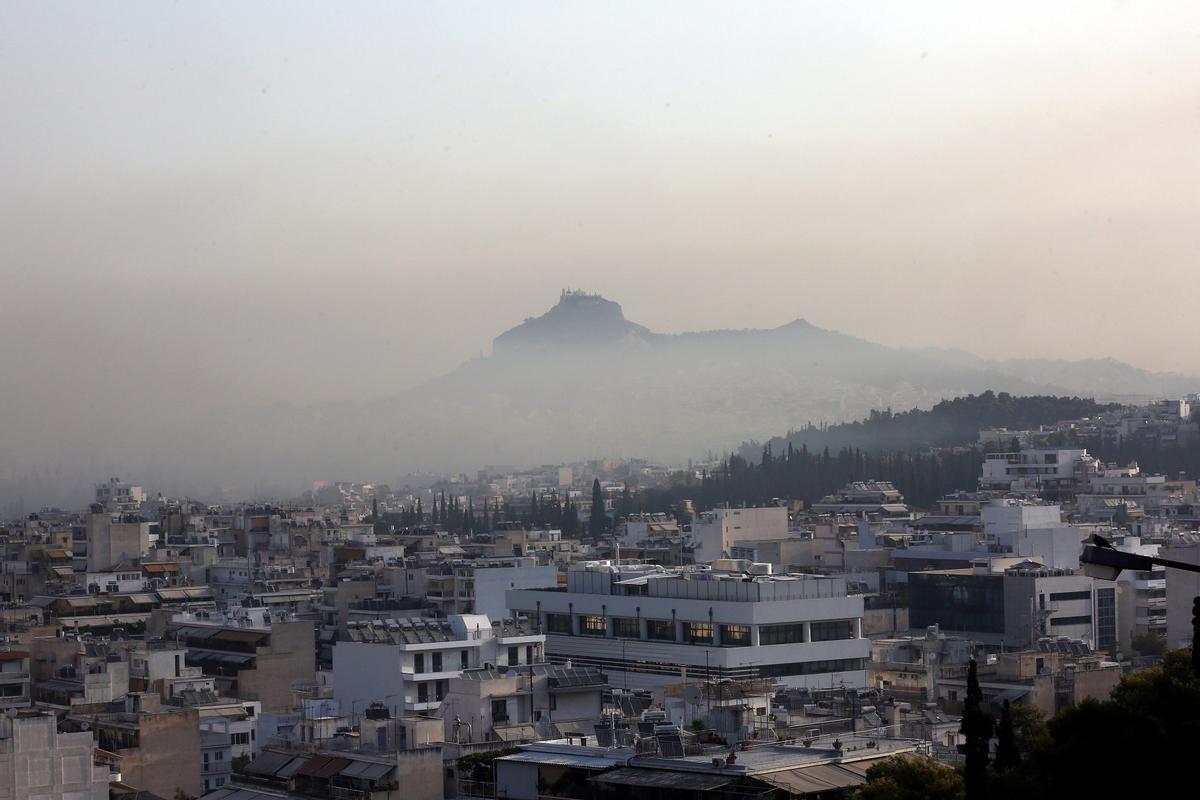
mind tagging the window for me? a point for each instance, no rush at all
(626, 628)
(698, 632)
(735, 635)
(419, 663)
(422, 692)
(437, 662)
(499, 711)
(1084, 595)
(558, 623)
(440, 690)
(592, 625)
(662, 630)
(529, 654)
(791, 633)
(1085, 619)
(465, 659)
(514, 657)
(833, 630)
(812, 667)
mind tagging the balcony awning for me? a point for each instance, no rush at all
(663, 779)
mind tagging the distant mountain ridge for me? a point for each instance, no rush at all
(579, 381)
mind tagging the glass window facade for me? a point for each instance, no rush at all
(698, 632)
(735, 635)
(792, 633)
(973, 603)
(558, 623)
(1106, 618)
(661, 630)
(592, 625)
(832, 630)
(626, 628)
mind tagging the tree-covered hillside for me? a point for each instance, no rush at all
(948, 424)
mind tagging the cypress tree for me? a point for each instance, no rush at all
(1007, 754)
(977, 728)
(599, 520)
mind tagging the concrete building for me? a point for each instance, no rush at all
(216, 759)
(1052, 472)
(716, 532)
(1182, 587)
(647, 626)
(158, 747)
(112, 542)
(117, 497)
(1011, 603)
(36, 761)
(478, 586)
(408, 663)
(14, 679)
(522, 703)
(252, 653)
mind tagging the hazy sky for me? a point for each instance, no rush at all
(247, 201)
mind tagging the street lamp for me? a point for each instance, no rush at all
(1101, 560)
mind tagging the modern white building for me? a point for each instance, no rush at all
(1043, 469)
(1033, 530)
(646, 626)
(407, 664)
(716, 532)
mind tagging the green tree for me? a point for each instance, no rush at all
(1008, 756)
(911, 779)
(1149, 644)
(977, 728)
(598, 522)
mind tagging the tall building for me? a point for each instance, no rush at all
(647, 626)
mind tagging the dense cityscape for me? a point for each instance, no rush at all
(650, 400)
(559, 631)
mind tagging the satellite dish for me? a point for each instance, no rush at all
(692, 695)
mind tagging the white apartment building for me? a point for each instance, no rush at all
(716, 532)
(1033, 530)
(407, 664)
(118, 497)
(646, 626)
(1045, 469)
(478, 586)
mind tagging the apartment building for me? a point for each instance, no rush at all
(716, 532)
(36, 761)
(478, 586)
(647, 626)
(408, 663)
(251, 653)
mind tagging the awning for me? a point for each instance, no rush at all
(63, 572)
(515, 733)
(813, 780)
(323, 766)
(662, 779)
(861, 766)
(268, 763)
(367, 770)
